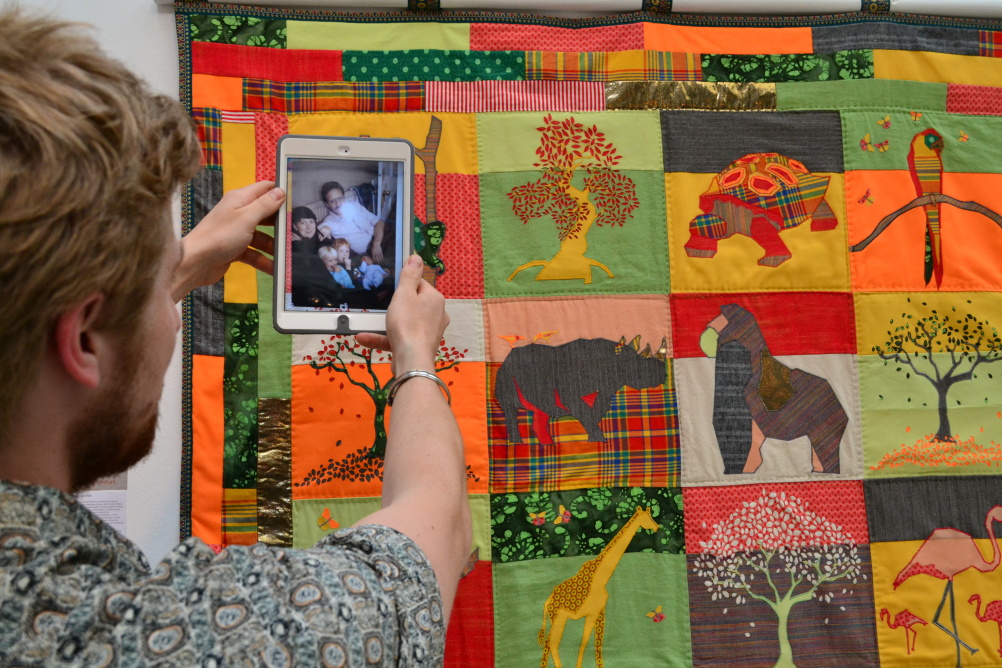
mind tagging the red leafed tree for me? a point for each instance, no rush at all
(344, 355)
(580, 187)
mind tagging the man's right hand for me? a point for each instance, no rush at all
(415, 322)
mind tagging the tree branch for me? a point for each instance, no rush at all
(930, 198)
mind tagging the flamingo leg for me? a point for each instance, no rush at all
(953, 620)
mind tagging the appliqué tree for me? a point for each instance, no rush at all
(346, 356)
(962, 342)
(600, 195)
(776, 533)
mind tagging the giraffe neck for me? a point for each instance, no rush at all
(609, 558)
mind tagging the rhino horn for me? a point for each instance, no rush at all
(622, 340)
(662, 353)
(647, 352)
(636, 342)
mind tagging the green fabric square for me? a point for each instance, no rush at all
(509, 141)
(243, 30)
(868, 93)
(901, 419)
(308, 518)
(639, 585)
(968, 141)
(274, 349)
(636, 253)
(240, 396)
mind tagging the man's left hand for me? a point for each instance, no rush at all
(228, 234)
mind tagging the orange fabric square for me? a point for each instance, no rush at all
(895, 260)
(333, 429)
(207, 448)
(694, 39)
(208, 90)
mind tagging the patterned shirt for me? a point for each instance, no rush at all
(75, 593)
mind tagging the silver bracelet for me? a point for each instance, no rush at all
(397, 381)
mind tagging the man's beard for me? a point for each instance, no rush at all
(115, 433)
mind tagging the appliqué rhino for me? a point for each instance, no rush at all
(578, 378)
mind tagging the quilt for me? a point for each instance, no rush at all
(725, 298)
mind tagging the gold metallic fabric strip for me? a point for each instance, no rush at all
(274, 472)
(690, 95)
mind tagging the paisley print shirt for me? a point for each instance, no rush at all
(75, 593)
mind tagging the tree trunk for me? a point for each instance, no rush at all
(379, 424)
(944, 433)
(782, 610)
(570, 261)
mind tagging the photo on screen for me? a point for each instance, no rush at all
(344, 246)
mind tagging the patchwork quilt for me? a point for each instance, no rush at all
(725, 300)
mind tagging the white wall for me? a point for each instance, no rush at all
(141, 34)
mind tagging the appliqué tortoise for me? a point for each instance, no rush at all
(759, 196)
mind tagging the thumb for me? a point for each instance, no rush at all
(410, 275)
(260, 200)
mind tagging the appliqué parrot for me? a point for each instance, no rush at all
(926, 168)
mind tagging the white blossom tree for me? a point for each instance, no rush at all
(776, 533)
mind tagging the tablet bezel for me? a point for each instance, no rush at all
(339, 150)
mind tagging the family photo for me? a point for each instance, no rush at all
(342, 239)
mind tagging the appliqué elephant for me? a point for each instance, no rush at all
(578, 378)
(758, 397)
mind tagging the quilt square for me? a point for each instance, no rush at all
(575, 204)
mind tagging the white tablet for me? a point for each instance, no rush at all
(344, 232)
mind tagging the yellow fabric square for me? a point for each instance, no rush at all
(239, 164)
(820, 260)
(457, 152)
(876, 311)
(937, 67)
(920, 595)
(336, 35)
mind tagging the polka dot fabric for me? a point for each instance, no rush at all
(267, 130)
(499, 36)
(458, 206)
(982, 100)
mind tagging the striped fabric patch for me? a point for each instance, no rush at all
(209, 124)
(641, 448)
(239, 516)
(990, 43)
(307, 97)
(638, 65)
(482, 96)
(237, 117)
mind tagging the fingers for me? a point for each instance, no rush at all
(375, 341)
(259, 200)
(263, 242)
(258, 261)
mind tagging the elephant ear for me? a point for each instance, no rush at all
(774, 388)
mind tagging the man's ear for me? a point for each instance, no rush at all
(77, 342)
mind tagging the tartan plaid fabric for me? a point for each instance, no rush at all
(668, 66)
(641, 448)
(239, 520)
(636, 65)
(209, 122)
(990, 43)
(565, 66)
(300, 97)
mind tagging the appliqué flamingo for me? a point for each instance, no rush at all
(907, 619)
(945, 554)
(993, 613)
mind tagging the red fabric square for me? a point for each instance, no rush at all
(458, 206)
(470, 640)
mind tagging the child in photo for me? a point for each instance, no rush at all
(372, 274)
(330, 256)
